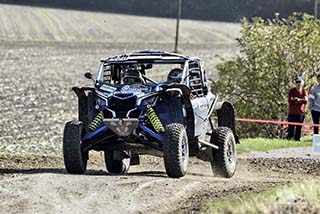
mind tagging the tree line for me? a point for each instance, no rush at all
(272, 53)
(219, 10)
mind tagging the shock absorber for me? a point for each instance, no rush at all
(96, 122)
(154, 119)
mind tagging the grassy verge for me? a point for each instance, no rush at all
(302, 197)
(262, 144)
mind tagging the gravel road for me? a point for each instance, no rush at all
(305, 153)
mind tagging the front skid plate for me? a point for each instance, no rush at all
(121, 126)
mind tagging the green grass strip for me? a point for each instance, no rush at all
(262, 144)
(301, 197)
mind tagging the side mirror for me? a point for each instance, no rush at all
(148, 66)
(88, 75)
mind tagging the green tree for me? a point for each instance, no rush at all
(272, 53)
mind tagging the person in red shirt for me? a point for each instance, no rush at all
(297, 101)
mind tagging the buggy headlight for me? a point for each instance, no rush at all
(158, 88)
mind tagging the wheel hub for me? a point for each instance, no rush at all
(231, 153)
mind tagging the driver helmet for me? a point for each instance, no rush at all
(132, 75)
(175, 75)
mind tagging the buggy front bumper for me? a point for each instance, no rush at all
(122, 127)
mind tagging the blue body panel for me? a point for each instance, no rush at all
(102, 129)
(152, 133)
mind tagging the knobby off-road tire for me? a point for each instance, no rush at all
(74, 159)
(175, 150)
(117, 166)
(224, 161)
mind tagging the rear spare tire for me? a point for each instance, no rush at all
(175, 150)
(224, 161)
(74, 159)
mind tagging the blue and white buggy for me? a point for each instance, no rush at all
(127, 114)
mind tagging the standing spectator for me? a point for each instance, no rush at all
(297, 99)
(314, 104)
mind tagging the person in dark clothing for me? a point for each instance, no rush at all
(297, 99)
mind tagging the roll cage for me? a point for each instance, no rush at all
(193, 75)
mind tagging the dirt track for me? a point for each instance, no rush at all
(40, 185)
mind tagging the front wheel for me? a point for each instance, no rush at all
(116, 162)
(224, 161)
(75, 160)
(175, 150)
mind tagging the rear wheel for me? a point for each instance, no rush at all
(224, 162)
(116, 162)
(175, 150)
(75, 160)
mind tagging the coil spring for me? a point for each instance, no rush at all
(96, 122)
(154, 119)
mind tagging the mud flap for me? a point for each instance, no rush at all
(84, 105)
(189, 119)
(226, 117)
(134, 160)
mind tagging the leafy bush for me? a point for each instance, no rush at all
(272, 53)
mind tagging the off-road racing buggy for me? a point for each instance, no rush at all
(127, 114)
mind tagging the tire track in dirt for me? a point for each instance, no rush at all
(40, 185)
